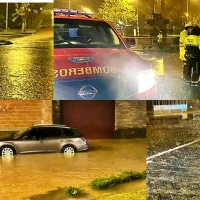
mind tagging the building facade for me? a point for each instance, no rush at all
(96, 119)
(18, 114)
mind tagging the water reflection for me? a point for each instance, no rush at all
(26, 70)
(168, 69)
(34, 171)
(7, 160)
(68, 154)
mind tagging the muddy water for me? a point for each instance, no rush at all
(37, 174)
(90, 194)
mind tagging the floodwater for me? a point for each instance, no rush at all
(26, 69)
(36, 176)
(173, 175)
(168, 69)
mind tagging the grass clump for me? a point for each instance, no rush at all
(73, 192)
(124, 177)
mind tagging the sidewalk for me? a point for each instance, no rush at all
(41, 34)
(17, 32)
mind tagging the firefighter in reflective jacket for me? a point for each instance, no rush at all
(192, 54)
(183, 35)
(160, 38)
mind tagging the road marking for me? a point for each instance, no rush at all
(164, 152)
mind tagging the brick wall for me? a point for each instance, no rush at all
(130, 119)
(17, 114)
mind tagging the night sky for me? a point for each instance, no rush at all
(145, 7)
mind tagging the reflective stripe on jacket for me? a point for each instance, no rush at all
(160, 37)
(192, 46)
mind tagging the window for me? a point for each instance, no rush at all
(68, 132)
(48, 132)
(75, 33)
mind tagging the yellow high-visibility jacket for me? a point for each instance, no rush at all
(192, 46)
(183, 36)
(160, 37)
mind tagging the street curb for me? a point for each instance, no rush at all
(16, 34)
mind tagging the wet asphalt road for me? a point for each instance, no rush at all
(34, 176)
(168, 69)
(26, 70)
(174, 175)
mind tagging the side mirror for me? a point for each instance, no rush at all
(130, 42)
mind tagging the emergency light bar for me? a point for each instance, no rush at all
(71, 12)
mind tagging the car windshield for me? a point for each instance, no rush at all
(19, 133)
(76, 33)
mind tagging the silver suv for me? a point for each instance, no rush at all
(44, 138)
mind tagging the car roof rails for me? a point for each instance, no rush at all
(67, 12)
(49, 125)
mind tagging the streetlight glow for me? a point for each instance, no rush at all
(138, 31)
(86, 9)
(187, 10)
(69, 4)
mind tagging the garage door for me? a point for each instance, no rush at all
(96, 119)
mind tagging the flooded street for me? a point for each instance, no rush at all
(164, 62)
(168, 69)
(33, 176)
(26, 68)
(174, 174)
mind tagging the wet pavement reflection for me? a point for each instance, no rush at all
(26, 70)
(34, 175)
(168, 69)
(174, 174)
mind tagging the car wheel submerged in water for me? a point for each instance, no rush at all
(68, 149)
(7, 151)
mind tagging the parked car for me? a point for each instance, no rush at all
(93, 61)
(44, 138)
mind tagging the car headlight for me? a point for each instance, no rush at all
(146, 80)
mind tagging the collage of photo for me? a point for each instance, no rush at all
(99, 100)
